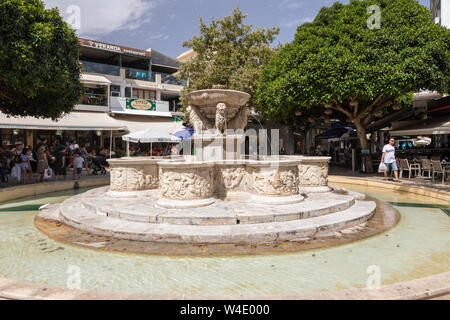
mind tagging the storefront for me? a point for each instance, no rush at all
(85, 127)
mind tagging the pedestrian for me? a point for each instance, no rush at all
(78, 164)
(42, 162)
(388, 158)
(26, 159)
(60, 163)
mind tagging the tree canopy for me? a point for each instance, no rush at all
(338, 62)
(229, 53)
(39, 67)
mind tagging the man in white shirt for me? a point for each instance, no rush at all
(388, 158)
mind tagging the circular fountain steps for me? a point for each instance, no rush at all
(79, 212)
(236, 211)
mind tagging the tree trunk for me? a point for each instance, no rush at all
(361, 132)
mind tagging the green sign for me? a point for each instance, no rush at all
(141, 104)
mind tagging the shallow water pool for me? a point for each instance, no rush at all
(418, 246)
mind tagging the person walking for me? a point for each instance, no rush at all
(388, 158)
(42, 163)
(26, 159)
(60, 163)
(78, 165)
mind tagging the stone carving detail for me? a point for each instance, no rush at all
(240, 120)
(227, 179)
(281, 182)
(187, 184)
(313, 174)
(133, 179)
(221, 118)
(198, 120)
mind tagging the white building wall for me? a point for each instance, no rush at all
(440, 10)
(445, 13)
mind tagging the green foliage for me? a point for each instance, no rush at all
(39, 67)
(229, 53)
(336, 60)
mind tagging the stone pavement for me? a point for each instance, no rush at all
(416, 182)
(84, 176)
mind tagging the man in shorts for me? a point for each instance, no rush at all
(388, 158)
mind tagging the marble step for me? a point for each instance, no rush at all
(88, 221)
(220, 213)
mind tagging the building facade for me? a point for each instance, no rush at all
(126, 90)
(440, 10)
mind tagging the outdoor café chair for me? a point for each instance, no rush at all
(438, 169)
(405, 165)
(426, 166)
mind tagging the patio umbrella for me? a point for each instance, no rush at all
(149, 136)
(184, 134)
(422, 142)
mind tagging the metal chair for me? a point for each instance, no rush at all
(405, 165)
(426, 166)
(438, 169)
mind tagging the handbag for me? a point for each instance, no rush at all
(382, 168)
(48, 173)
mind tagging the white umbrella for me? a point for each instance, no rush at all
(422, 142)
(149, 136)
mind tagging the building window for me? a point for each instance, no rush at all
(144, 94)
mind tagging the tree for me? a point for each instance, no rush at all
(39, 67)
(338, 62)
(228, 53)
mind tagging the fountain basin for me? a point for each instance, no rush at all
(207, 100)
(273, 179)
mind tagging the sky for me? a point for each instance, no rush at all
(165, 24)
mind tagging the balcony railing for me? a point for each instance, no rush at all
(139, 74)
(92, 99)
(101, 68)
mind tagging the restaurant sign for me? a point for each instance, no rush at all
(141, 104)
(114, 48)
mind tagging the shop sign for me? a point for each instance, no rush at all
(141, 104)
(114, 48)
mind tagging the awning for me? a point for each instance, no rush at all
(90, 78)
(77, 121)
(136, 124)
(427, 127)
(386, 121)
(334, 133)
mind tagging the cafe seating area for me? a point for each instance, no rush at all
(422, 167)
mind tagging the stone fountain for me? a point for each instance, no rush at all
(217, 196)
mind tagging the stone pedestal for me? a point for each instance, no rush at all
(273, 181)
(186, 185)
(313, 174)
(130, 176)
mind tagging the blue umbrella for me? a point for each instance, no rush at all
(184, 134)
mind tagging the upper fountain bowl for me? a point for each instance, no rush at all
(212, 97)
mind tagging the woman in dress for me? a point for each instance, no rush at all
(26, 159)
(42, 163)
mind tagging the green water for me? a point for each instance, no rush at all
(417, 247)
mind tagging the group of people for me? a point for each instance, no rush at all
(158, 150)
(48, 161)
